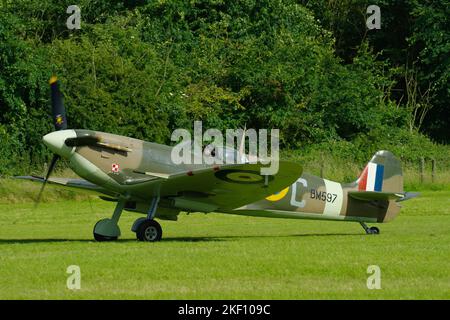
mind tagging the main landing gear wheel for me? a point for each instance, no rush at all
(108, 229)
(149, 230)
(100, 238)
(371, 230)
(105, 230)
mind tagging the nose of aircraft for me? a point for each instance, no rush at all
(55, 142)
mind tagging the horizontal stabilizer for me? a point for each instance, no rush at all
(374, 195)
(409, 195)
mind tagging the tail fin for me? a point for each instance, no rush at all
(383, 173)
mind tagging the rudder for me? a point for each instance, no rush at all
(383, 173)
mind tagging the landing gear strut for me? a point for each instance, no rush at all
(107, 229)
(148, 229)
(370, 230)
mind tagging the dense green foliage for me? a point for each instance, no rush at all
(414, 36)
(144, 68)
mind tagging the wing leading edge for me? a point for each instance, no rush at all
(70, 183)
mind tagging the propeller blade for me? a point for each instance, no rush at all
(49, 172)
(58, 110)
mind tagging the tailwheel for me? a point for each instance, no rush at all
(149, 230)
(370, 230)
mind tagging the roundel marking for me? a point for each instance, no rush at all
(241, 176)
(244, 177)
(279, 195)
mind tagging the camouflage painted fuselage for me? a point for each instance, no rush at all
(312, 197)
(139, 170)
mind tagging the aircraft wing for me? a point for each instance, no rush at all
(69, 183)
(206, 189)
(229, 187)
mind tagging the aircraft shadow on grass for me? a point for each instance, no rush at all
(179, 239)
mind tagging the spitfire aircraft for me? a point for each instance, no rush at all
(141, 177)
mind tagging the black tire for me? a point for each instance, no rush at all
(374, 230)
(149, 230)
(100, 238)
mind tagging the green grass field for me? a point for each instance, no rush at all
(219, 256)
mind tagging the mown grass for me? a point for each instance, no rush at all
(22, 191)
(224, 256)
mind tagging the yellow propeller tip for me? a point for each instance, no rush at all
(53, 79)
